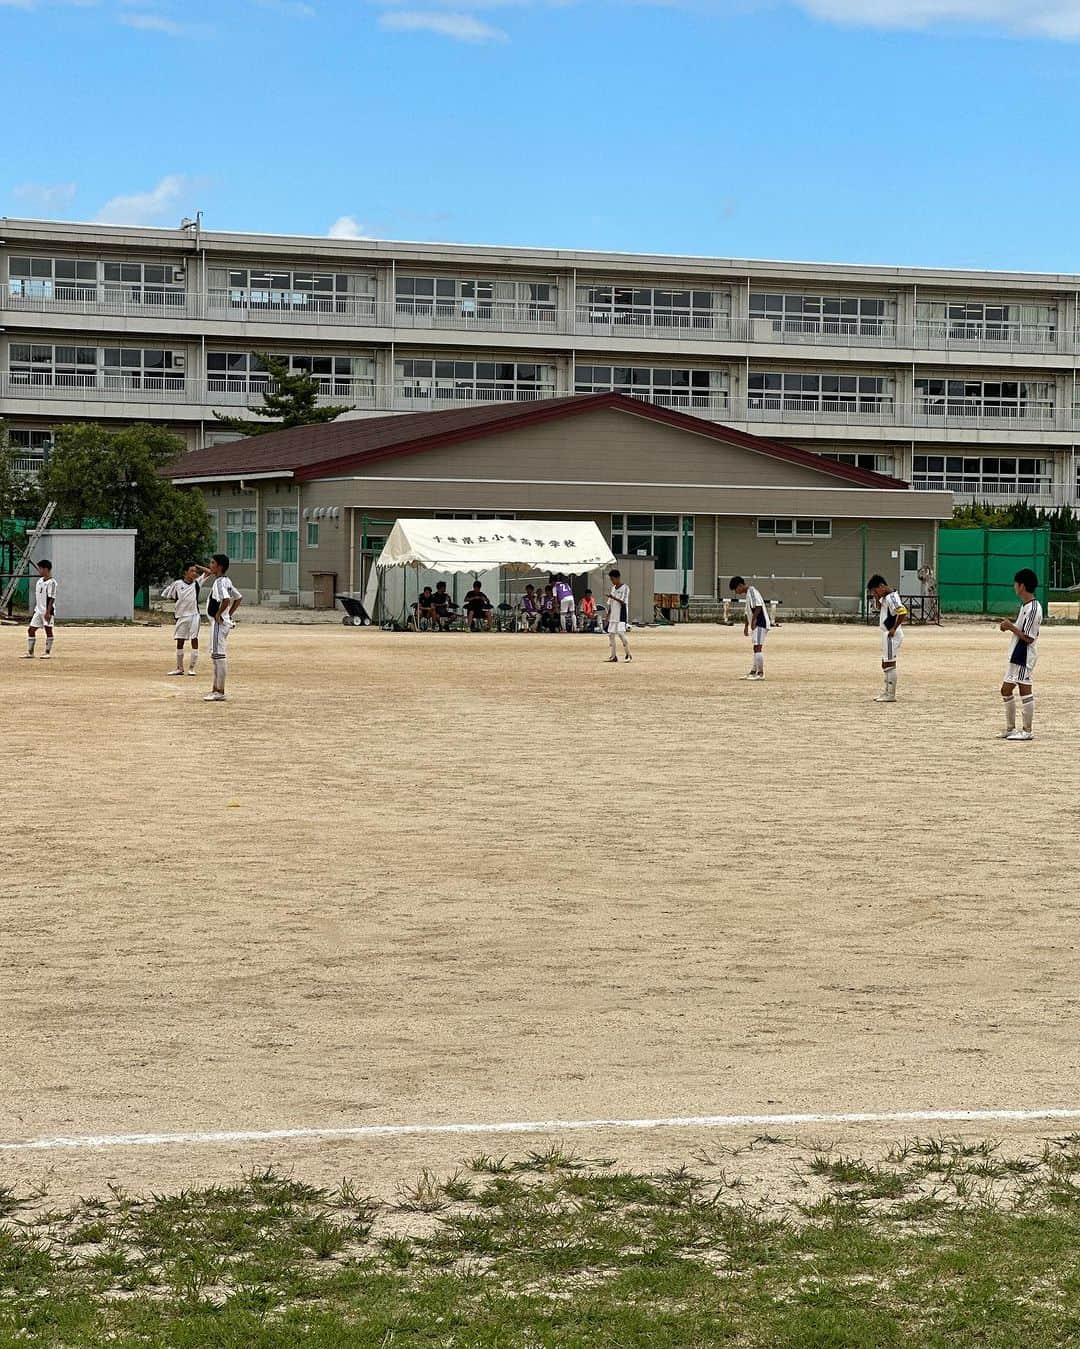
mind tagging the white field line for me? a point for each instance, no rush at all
(362, 1131)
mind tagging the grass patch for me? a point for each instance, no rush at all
(939, 1243)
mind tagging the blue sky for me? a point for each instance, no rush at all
(921, 132)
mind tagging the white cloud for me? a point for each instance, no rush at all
(158, 23)
(1049, 18)
(45, 196)
(347, 227)
(295, 9)
(462, 27)
(145, 208)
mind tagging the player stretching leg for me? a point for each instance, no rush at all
(186, 629)
(1022, 656)
(618, 615)
(222, 604)
(756, 623)
(44, 615)
(891, 613)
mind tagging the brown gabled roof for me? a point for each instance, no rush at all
(307, 452)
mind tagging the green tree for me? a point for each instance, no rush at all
(20, 495)
(293, 402)
(112, 480)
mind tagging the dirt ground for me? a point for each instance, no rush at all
(431, 879)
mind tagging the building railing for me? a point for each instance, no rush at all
(463, 315)
(984, 335)
(90, 299)
(247, 306)
(427, 395)
(1038, 490)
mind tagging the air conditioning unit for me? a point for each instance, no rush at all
(178, 275)
(179, 360)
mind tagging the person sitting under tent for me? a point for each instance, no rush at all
(478, 608)
(588, 611)
(424, 609)
(444, 605)
(549, 611)
(529, 608)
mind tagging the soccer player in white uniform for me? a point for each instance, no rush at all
(618, 615)
(1023, 654)
(755, 624)
(891, 615)
(44, 615)
(185, 592)
(221, 604)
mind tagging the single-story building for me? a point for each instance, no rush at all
(304, 512)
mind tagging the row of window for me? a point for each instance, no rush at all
(72, 365)
(30, 275)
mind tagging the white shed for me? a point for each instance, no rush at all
(94, 570)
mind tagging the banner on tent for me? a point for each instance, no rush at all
(570, 546)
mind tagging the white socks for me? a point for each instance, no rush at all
(31, 642)
(193, 661)
(890, 681)
(759, 662)
(1010, 711)
(611, 643)
(221, 669)
(1027, 710)
(48, 642)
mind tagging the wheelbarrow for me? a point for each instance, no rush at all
(356, 616)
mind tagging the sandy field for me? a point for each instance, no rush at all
(470, 878)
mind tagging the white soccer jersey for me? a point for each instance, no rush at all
(1023, 655)
(753, 600)
(186, 595)
(888, 609)
(44, 591)
(222, 590)
(619, 609)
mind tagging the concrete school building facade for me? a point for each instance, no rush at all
(303, 513)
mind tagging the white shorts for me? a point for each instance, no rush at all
(567, 606)
(1021, 674)
(186, 628)
(219, 635)
(757, 636)
(40, 621)
(891, 642)
(613, 628)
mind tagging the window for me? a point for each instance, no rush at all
(144, 282)
(984, 399)
(787, 528)
(476, 298)
(863, 315)
(875, 463)
(792, 391)
(52, 279)
(657, 536)
(142, 368)
(673, 388)
(31, 440)
(986, 321)
(473, 381)
(283, 289)
(312, 534)
(41, 364)
(1015, 476)
(243, 372)
(475, 515)
(241, 529)
(650, 306)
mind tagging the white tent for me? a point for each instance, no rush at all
(474, 547)
(570, 546)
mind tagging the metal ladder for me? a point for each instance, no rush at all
(20, 568)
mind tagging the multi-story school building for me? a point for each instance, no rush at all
(949, 380)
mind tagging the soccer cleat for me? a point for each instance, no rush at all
(885, 698)
(612, 660)
(628, 656)
(175, 672)
(1004, 735)
(214, 698)
(1020, 735)
(193, 673)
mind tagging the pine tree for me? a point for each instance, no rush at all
(291, 403)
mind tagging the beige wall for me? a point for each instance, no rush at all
(809, 574)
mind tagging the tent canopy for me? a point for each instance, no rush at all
(570, 546)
